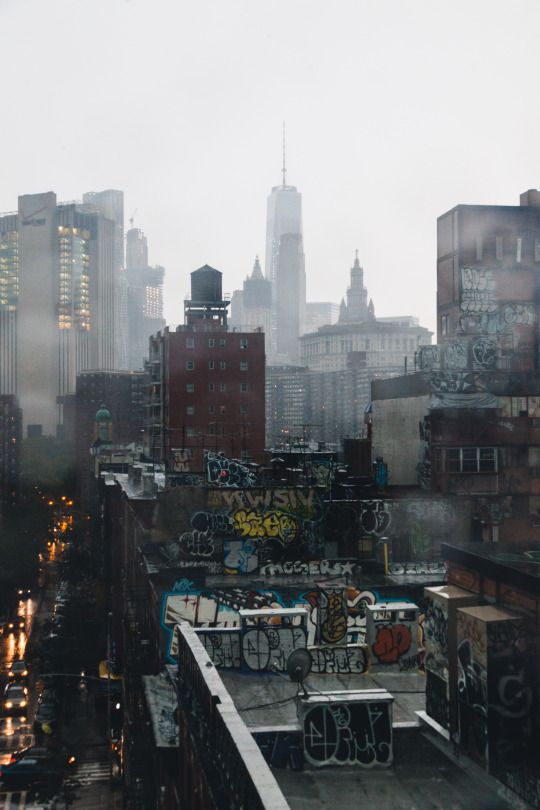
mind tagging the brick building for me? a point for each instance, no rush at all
(206, 383)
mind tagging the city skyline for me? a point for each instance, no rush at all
(389, 124)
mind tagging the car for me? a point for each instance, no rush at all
(15, 699)
(28, 771)
(62, 757)
(13, 624)
(18, 671)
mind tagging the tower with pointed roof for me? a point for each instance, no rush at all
(357, 309)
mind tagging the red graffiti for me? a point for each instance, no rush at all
(393, 640)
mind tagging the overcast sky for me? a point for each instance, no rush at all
(395, 110)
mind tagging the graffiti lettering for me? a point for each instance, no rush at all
(276, 524)
(354, 658)
(325, 568)
(374, 517)
(222, 646)
(331, 615)
(223, 472)
(270, 647)
(354, 733)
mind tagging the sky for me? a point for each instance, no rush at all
(395, 112)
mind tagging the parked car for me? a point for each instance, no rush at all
(18, 671)
(29, 771)
(62, 757)
(15, 699)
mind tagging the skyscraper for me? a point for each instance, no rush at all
(145, 298)
(252, 306)
(285, 268)
(110, 204)
(57, 303)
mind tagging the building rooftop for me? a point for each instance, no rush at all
(519, 563)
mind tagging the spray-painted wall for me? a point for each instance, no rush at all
(245, 531)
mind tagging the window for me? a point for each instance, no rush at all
(211, 343)
(222, 408)
(444, 324)
(223, 387)
(479, 249)
(190, 343)
(243, 343)
(211, 409)
(470, 459)
(190, 410)
(222, 365)
(222, 343)
(210, 387)
(210, 364)
(243, 365)
(190, 388)
(243, 409)
(190, 365)
(519, 243)
(519, 406)
(190, 431)
(498, 247)
(244, 387)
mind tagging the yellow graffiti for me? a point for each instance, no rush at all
(275, 524)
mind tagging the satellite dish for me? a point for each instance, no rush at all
(299, 667)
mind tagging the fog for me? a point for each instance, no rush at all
(395, 111)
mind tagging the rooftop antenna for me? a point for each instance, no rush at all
(284, 167)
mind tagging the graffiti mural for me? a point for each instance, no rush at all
(273, 524)
(375, 517)
(484, 353)
(347, 733)
(265, 648)
(240, 557)
(477, 291)
(392, 635)
(219, 608)
(325, 568)
(222, 646)
(350, 659)
(510, 693)
(224, 472)
(332, 614)
(436, 630)
(437, 567)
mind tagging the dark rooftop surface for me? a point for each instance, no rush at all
(421, 778)
(519, 563)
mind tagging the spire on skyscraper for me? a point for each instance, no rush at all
(257, 272)
(284, 167)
